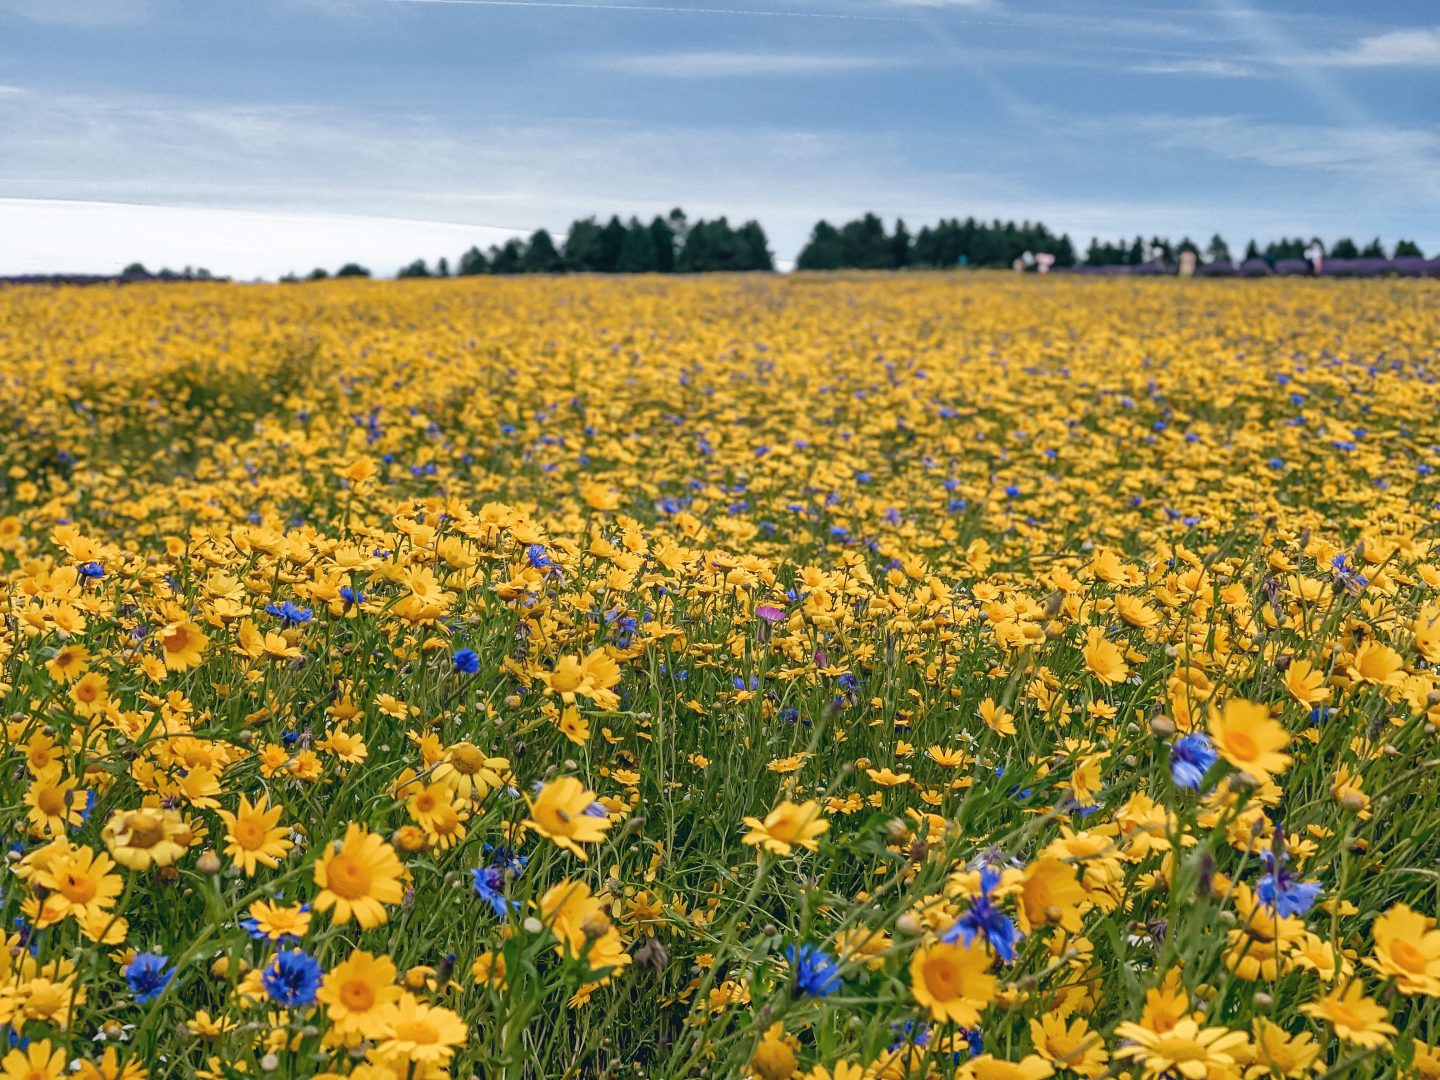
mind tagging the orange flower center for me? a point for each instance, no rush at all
(347, 877)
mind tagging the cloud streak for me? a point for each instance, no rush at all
(717, 64)
(1397, 48)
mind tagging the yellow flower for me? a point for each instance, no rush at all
(1278, 1053)
(278, 921)
(989, 1067)
(182, 644)
(110, 1068)
(80, 882)
(1050, 894)
(413, 1031)
(358, 877)
(1249, 739)
(1103, 659)
(1407, 949)
(591, 677)
(997, 718)
(357, 992)
(253, 835)
(1376, 663)
(1185, 1049)
(38, 1061)
(54, 804)
(787, 827)
(561, 812)
(1305, 683)
(774, 1057)
(952, 981)
(1073, 1048)
(1354, 1017)
(140, 839)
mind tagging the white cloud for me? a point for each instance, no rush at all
(1419, 47)
(1220, 69)
(69, 236)
(973, 4)
(711, 65)
(1399, 164)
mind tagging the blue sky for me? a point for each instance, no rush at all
(273, 135)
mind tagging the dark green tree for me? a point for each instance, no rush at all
(637, 253)
(1408, 249)
(351, 269)
(823, 251)
(416, 269)
(473, 262)
(540, 256)
(662, 240)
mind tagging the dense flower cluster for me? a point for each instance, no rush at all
(864, 678)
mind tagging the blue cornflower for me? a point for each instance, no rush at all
(288, 613)
(350, 596)
(816, 972)
(1284, 893)
(1190, 759)
(1351, 579)
(489, 884)
(91, 570)
(489, 881)
(292, 978)
(466, 661)
(538, 557)
(985, 920)
(148, 975)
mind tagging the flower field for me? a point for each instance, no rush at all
(849, 677)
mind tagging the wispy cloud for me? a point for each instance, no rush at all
(1404, 161)
(1218, 69)
(1419, 47)
(80, 13)
(972, 4)
(720, 64)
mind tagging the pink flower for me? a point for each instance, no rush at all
(770, 613)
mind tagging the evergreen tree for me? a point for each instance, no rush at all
(540, 256)
(1217, 249)
(473, 262)
(318, 274)
(1344, 248)
(582, 245)
(900, 245)
(611, 240)
(507, 258)
(1373, 250)
(662, 240)
(1251, 251)
(824, 250)
(442, 268)
(416, 269)
(351, 269)
(754, 248)
(1408, 249)
(637, 253)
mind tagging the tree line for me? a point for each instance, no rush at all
(674, 244)
(864, 244)
(1140, 251)
(666, 245)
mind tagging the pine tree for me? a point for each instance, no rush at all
(637, 253)
(473, 262)
(540, 256)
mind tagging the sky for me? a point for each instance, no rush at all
(260, 137)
